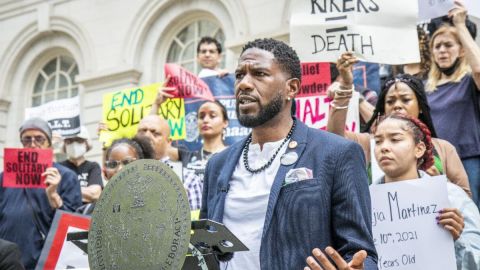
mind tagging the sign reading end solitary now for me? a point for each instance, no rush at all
(23, 167)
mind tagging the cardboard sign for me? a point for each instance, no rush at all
(188, 85)
(23, 167)
(404, 226)
(58, 253)
(62, 115)
(123, 110)
(381, 31)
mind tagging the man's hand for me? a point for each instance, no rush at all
(324, 264)
(163, 94)
(52, 179)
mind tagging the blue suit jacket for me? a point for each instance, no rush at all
(332, 209)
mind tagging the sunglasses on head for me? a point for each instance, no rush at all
(28, 140)
(113, 164)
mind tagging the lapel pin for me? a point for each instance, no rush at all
(289, 158)
(292, 144)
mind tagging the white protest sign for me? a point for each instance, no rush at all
(405, 231)
(381, 31)
(62, 115)
(429, 9)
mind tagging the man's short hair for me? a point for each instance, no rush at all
(285, 55)
(209, 40)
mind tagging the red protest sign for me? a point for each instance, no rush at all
(188, 84)
(315, 79)
(23, 167)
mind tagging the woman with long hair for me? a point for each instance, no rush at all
(453, 91)
(404, 94)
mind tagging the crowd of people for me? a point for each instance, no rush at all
(295, 196)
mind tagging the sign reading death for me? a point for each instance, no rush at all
(321, 30)
(24, 167)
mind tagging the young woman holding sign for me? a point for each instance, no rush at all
(404, 94)
(403, 148)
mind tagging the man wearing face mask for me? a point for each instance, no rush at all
(88, 172)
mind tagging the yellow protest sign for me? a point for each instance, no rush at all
(123, 110)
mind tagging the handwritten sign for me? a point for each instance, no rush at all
(321, 30)
(405, 228)
(429, 9)
(123, 110)
(63, 115)
(312, 102)
(58, 252)
(24, 167)
(187, 84)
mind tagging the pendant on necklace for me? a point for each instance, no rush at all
(289, 158)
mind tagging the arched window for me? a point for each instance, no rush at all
(183, 49)
(56, 80)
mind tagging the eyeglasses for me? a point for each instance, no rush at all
(209, 51)
(37, 140)
(113, 164)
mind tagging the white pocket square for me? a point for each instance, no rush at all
(298, 174)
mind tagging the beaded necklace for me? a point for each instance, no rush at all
(247, 144)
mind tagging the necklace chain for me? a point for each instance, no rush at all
(247, 144)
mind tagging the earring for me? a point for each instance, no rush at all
(288, 98)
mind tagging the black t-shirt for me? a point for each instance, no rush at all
(89, 172)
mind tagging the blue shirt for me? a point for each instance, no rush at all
(455, 116)
(26, 215)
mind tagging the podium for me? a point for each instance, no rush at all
(212, 240)
(209, 241)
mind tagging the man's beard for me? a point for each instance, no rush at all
(266, 113)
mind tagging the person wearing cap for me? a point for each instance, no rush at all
(88, 172)
(26, 214)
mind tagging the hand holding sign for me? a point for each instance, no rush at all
(355, 264)
(165, 92)
(344, 65)
(187, 84)
(452, 220)
(52, 179)
(458, 14)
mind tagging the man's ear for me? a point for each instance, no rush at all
(293, 87)
(420, 149)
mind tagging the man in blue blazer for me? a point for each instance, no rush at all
(287, 188)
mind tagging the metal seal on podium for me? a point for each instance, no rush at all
(141, 221)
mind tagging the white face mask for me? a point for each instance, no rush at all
(75, 150)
